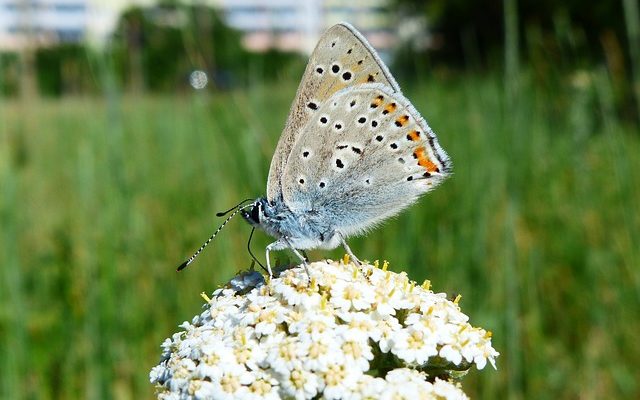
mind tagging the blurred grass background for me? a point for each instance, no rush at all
(538, 229)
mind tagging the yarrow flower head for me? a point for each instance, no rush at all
(342, 332)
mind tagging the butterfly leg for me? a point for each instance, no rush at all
(353, 256)
(297, 253)
(348, 249)
(282, 244)
(267, 250)
(277, 245)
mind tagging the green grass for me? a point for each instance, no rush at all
(538, 229)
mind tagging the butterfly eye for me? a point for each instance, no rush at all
(255, 213)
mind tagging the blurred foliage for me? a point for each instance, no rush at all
(153, 49)
(9, 71)
(473, 31)
(554, 39)
(103, 196)
(64, 69)
(156, 48)
(538, 228)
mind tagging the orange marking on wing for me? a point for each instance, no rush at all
(402, 120)
(377, 101)
(423, 161)
(414, 135)
(429, 165)
(391, 107)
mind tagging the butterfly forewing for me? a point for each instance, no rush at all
(342, 59)
(363, 155)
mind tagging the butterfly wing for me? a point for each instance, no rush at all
(341, 59)
(363, 156)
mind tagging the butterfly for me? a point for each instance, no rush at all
(353, 153)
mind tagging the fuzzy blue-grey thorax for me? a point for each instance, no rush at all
(302, 229)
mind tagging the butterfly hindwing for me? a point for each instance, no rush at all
(363, 156)
(341, 59)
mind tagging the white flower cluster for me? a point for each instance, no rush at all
(344, 332)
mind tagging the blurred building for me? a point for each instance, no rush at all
(295, 25)
(43, 21)
(291, 25)
(47, 22)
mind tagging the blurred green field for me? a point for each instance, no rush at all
(538, 229)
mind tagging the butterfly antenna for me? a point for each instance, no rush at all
(251, 253)
(223, 213)
(193, 257)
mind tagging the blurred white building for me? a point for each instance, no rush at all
(295, 25)
(292, 25)
(46, 22)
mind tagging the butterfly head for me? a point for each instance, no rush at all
(271, 217)
(254, 213)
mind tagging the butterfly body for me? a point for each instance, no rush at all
(353, 153)
(303, 228)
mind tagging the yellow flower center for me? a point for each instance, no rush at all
(351, 293)
(415, 340)
(317, 349)
(334, 375)
(211, 359)
(353, 349)
(254, 307)
(317, 326)
(230, 383)
(288, 351)
(243, 354)
(267, 316)
(260, 387)
(193, 387)
(360, 325)
(297, 378)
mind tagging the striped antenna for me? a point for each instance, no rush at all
(193, 257)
